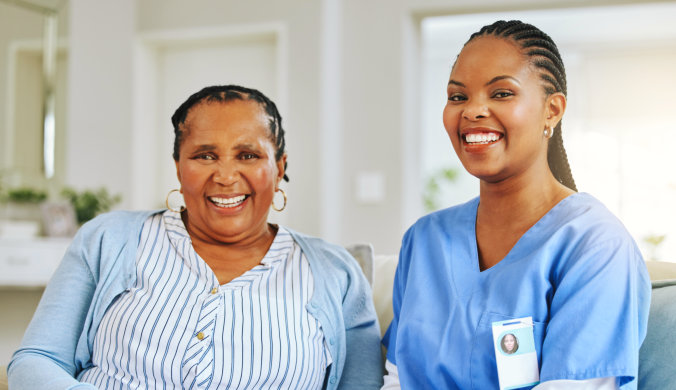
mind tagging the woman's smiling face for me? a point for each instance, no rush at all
(228, 171)
(509, 343)
(495, 114)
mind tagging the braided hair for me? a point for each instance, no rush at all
(544, 55)
(225, 93)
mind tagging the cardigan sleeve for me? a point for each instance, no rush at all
(363, 367)
(46, 358)
(343, 304)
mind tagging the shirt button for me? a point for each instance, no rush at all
(214, 290)
(332, 341)
(332, 380)
(200, 336)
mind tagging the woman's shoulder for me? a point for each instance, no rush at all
(116, 222)
(583, 215)
(585, 234)
(449, 219)
(315, 244)
(123, 216)
(325, 256)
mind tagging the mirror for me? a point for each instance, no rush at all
(33, 68)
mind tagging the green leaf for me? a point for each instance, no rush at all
(89, 203)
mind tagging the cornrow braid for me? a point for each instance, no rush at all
(545, 56)
(225, 93)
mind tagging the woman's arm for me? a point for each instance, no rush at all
(46, 358)
(598, 315)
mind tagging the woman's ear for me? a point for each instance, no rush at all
(281, 163)
(554, 109)
(178, 172)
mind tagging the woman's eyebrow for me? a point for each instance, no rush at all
(247, 147)
(503, 77)
(493, 80)
(204, 148)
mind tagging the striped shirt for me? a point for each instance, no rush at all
(178, 328)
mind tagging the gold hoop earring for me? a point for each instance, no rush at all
(181, 202)
(549, 132)
(273, 201)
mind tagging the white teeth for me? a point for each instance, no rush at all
(228, 202)
(481, 138)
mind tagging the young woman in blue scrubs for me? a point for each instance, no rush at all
(529, 246)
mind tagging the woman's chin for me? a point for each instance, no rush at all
(486, 175)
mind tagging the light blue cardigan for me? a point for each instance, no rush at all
(100, 264)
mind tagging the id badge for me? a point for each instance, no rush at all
(515, 353)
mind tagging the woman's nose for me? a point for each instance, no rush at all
(226, 173)
(475, 109)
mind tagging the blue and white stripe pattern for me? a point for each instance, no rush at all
(178, 328)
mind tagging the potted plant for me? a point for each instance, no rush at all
(23, 203)
(90, 203)
(20, 215)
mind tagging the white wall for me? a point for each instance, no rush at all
(99, 94)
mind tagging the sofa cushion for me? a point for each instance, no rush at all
(658, 352)
(364, 255)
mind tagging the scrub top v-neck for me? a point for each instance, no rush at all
(576, 272)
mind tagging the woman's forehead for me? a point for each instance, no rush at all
(490, 56)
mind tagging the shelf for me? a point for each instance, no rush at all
(29, 262)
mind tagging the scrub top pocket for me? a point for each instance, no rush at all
(482, 368)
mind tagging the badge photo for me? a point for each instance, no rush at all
(515, 354)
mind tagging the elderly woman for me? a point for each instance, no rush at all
(530, 256)
(211, 295)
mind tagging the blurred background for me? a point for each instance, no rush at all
(87, 88)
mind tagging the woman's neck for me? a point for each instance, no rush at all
(229, 260)
(520, 198)
(508, 209)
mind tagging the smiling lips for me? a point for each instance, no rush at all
(228, 202)
(481, 138)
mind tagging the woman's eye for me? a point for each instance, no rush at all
(456, 97)
(204, 157)
(248, 156)
(502, 94)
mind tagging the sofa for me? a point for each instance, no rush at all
(657, 357)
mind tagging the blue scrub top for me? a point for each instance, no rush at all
(577, 272)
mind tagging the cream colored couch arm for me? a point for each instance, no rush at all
(661, 270)
(3, 378)
(383, 275)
